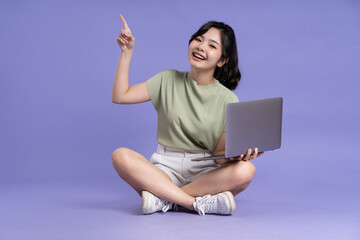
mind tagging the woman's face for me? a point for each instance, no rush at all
(205, 51)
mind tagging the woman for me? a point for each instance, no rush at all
(191, 123)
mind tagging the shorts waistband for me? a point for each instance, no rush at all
(182, 153)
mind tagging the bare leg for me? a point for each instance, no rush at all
(141, 175)
(233, 176)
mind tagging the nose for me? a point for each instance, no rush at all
(200, 47)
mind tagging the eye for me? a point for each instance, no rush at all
(198, 39)
(212, 46)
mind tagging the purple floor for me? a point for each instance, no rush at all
(103, 211)
(288, 199)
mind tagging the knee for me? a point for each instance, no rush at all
(244, 172)
(120, 158)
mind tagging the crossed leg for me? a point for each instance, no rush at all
(234, 176)
(141, 175)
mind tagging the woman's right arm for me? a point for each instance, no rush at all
(121, 92)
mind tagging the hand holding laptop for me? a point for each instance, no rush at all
(249, 155)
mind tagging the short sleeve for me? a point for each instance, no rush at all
(154, 88)
(231, 99)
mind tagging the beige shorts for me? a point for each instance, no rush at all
(177, 164)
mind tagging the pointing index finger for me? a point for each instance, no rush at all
(124, 22)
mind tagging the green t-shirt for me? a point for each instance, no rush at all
(190, 116)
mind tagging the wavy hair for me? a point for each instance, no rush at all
(229, 74)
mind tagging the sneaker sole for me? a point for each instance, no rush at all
(231, 199)
(144, 196)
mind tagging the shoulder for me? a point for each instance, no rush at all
(172, 76)
(228, 95)
(166, 79)
(231, 97)
(171, 72)
(163, 75)
(175, 74)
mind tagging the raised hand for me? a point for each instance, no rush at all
(125, 40)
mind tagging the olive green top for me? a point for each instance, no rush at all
(190, 116)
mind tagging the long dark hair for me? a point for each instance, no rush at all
(229, 74)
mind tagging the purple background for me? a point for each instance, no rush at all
(58, 126)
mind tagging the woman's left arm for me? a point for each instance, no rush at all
(220, 149)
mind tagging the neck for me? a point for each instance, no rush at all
(202, 77)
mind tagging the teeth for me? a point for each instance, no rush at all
(198, 56)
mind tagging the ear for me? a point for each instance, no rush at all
(222, 62)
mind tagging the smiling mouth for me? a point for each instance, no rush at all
(198, 56)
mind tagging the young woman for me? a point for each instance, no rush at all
(191, 123)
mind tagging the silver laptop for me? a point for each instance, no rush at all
(252, 124)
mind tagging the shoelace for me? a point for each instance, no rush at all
(169, 206)
(206, 204)
(165, 205)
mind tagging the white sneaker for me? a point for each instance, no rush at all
(221, 203)
(152, 203)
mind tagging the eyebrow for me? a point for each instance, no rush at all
(214, 42)
(211, 40)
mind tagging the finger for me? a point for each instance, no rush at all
(248, 154)
(127, 35)
(256, 151)
(122, 31)
(121, 36)
(120, 40)
(124, 22)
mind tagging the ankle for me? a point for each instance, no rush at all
(189, 204)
